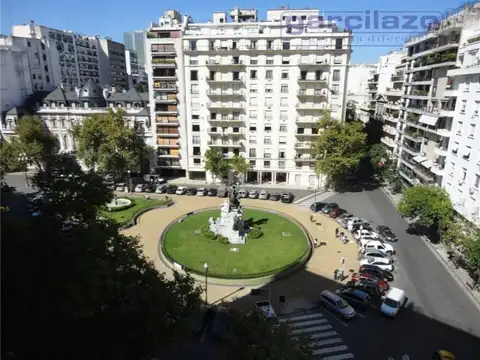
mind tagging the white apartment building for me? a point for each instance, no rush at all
(461, 168)
(357, 88)
(427, 111)
(246, 86)
(15, 80)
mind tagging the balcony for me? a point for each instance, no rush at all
(424, 174)
(168, 63)
(167, 123)
(227, 119)
(312, 80)
(390, 118)
(437, 48)
(397, 78)
(166, 111)
(225, 106)
(313, 63)
(168, 155)
(387, 141)
(165, 87)
(435, 61)
(161, 99)
(225, 93)
(313, 132)
(408, 175)
(221, 132)
(164, 76)
(225, 144)
(393, 92)
(303, 93)
(221, 80)
(232, 63)
(438, 169)
(304, 158)
(166, 163)
(444, 132)
(303, 145)
(166, 143)
(418, 94)
(306, 119)
(412, 150)
(166, 132)
(415, 136)
(163, 49)
(440, 150)
(311, 106)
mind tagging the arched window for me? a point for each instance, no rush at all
(54, 123)
(65, 143)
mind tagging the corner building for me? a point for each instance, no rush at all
(245, 86)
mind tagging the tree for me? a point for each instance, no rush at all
(339, 149)
(473, 251)
(431, 205)
(252, 337)
(216, 163)
(107, 143)
(8, 159)
(379, 157)
(240, 165)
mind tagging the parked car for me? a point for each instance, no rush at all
(220, 324)
(370, 278)
(275, 196)
(181, 190)
(378, 245)
(355, 221)
(212, 192)
(364, 233)
(202, 192)
(381, 263)
(253, 194)
(150, 188)
(336, 212)
(376, 271)
(264, 195)
(329, 207)
(374, 253)
(243, 194)
(336, 304)
(192, 191)
(386, 234)
(357, 298)
(317, 206)
(140, 188)
(287, 198)
(370, 288)
(222, 193)
(161, 189)
(120, 187)
(443, 355)
(266, 309)
(393, 302)
(171, 189)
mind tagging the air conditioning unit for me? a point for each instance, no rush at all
(471, 191)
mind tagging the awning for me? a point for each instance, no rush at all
(429, 120)
(419, 158)
(428, 164)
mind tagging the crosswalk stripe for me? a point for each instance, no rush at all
(308, 323)
(331, 349)
(323, 334)
(301, 317)
(306, 330)
(339, 357)
(326, 342)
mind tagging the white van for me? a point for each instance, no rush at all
(392, 302)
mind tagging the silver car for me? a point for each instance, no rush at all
(375, 253)
(336, 304)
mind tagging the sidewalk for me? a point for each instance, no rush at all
(203, 183)
(440, 251)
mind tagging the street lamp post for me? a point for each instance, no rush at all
(129, 181)
(23, 160)
(205, 266)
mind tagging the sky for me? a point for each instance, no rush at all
(379, 26)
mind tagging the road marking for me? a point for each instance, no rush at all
(308, 323)
(361, 315)
(306, 330)
(339, 357)
(329, 350)
(301, 317)
(326, 342)
(323, 334)
(336, 317)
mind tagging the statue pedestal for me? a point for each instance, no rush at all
(230, 224)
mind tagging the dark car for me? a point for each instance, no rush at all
(220, 324)
(357, 298)
(150, 188)
(171, 189)
(372, 289)
(222, 193)
(386, 234)
(329, 207)
(192, 191)
(274, 196)
(212, 192)
(287, 198)
(317, 206)
(376, 271)
(336, 212)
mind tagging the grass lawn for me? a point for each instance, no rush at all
(125, 216)
(266, 254)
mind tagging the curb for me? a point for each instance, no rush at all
(299, 201)
(139, 213)
(445, 263)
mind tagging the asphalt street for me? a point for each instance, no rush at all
(439, 315)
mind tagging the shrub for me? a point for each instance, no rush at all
(255, 233)
(223, 240)
(207, 233)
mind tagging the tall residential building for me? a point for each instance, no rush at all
(357, 88)
(15, 79)
(135, 41)
(427, 113)
(131, 68)
(112, 62)
(245, 86)
(460, 168)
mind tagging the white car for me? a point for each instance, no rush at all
(378, 245)
(381, 263)
(140, 188)
(364, 233)
(393, 302)
(181, 190)
(120, 187)
(202, 192)
(263, 195)
(253, 194)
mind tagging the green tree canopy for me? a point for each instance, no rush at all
(8, 158)
(240, 165)
(339, 148)
(216, 163)
(107, 143)
(429, 204)
(252, 337)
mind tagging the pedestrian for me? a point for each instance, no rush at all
(315, 242)
(350, 225)
(335, 275)
(336, 232)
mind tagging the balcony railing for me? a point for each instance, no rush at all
(220, 92)
(230, 118)
(312, 79)
(224, 105)
(303, 145)
(314, 92)
(229, 62)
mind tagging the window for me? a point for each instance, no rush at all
(455, 148)
(335, 89)
(283, 140)
(253, 74)
(284, 89)
(252, 153)
(269, 61)
(253, 88)
(46, 68)
(269, 74)
(285, 61)
(266, 164)
(194, 89)
(284, 75)
(269, 88)
(283, 115)
(236, 75)
(268, 128)
(196, 139)
(252, 128)
(452, 168)
(337, 60)
(193, 45)
(253, 61)
(267, 140)
(196, 151)
(29, 44)
(471, 131)
(252, 140)
(283, 128)
(268, 115)
(253, 114)
(268, 101)
(193, 75)
(464, 174)
(464, 106)
(197, 161)
(195, 127)
(338, 44)
(267, 155)
(281, 164)
(47, 78)
(269, 47)
(476, 109)
(336, 75)
(459, 127)
(283, 101)
(304, 17)
(253, 101)
(466, 153)
(281, 154)
(477, 180)
(253, 44)
(286, 45)
(195, 117)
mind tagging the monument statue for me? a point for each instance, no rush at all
(234, 199)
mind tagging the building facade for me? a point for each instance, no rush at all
(113, 68)
(357, 89)
(248, 87)
(135, 41)
(132, 68)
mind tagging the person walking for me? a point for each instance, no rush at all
(336, 232)
(350, 225)
(315, 243)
